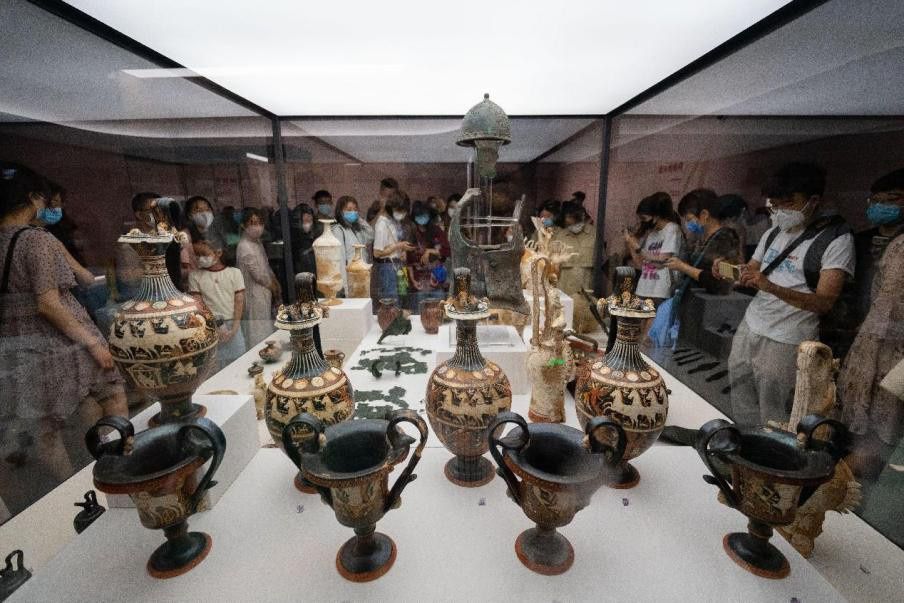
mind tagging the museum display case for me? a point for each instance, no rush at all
(214, 279)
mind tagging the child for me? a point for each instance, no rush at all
(222, 288)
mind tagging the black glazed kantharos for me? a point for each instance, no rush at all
(157, 468)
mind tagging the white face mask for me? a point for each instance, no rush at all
(788, 219)
(509, 236)
(398, 215)
(255, 232)
(576, 228)
(452, 211)
(203, 219)
(306, 226)
(205, 261)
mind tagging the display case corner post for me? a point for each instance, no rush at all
(600, 248)
(282, 198)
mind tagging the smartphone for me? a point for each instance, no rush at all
(730, 271)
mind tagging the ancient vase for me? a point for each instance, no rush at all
(772, 472)
(549, 362)
(334, 358)
(307, 383)
(349, 464)
(157, 469)
(357, 274)
(466, 392)
(387, 312)
(328, 257)
(163, 341)
(271, 351)
(623, 387)
(431, 312)
(559, 468)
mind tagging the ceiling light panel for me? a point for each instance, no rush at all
(409, 57)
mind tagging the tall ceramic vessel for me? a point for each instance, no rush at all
(163, 341)
(307, 383)
(328, 256)
(623, 387)
(357, 274)
(465, 393)
(550, 364)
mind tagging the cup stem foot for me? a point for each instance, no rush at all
(366, 557)
(753, 552)
(623, 476)
(469, 472)
(181, 552)
(544, 551)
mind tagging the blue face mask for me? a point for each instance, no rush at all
(237, 216)
(350, 216)
(50, 215)
(422, 219)
(325, 209)
(883, 213)
(547, 222)
(694, 228)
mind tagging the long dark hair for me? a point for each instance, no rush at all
(17, 182)
(658, 205)
(340, 206)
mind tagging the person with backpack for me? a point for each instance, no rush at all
(799, 269)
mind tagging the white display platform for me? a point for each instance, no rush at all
(510, 358)
(271, 543)
(236, 416)
(347, 324)
(567, 306)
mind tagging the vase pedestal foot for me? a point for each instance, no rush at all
(756, 555)
(330, 301)
(365, 558)
(303, 485)
(469, 472)
(182, 551)
(196, 412)
(544, 551)
(623, 476)
(538, 418)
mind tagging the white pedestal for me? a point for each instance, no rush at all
(510, 357)
(567, 306)
(236, 416)
(346, 325)
(272, 543)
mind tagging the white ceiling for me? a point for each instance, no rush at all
(845, 57)
(410, 57)
(51, 70)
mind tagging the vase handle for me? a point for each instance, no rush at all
(399, 440)
(312, 444)
(510, 442)
(598, 446)
(839, 440)
(213, 434)
(731, 444)
(120, 424)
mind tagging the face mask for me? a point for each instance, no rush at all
(421, 219)
(205, 261)
(254, 232)
(306, 226)
(694, 228)
(203, 219)
(398, 215)
(237, 216)
(576, 228)
(453, 211)
(883, 213)
(787, 219)
(547, 222)
(50, 215)
(350, 216)
(509, 236)
(324, 208)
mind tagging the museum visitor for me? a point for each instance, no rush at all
(351, 229)
(261, 285)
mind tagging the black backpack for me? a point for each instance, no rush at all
(834, 327)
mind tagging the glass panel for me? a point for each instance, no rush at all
(80, 133)
(816, 140)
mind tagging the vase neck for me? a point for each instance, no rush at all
(305, 361)
(467, 352)
(156, 284)
(625, 354)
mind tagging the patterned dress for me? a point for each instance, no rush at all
(43, 373)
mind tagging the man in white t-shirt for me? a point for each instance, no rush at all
(785, 310)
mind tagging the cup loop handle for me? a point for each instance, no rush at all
(509, 443)
(217, 439)
(311, 445)
(20, 561)
(597, 446)
(706, 433)
(97, 448)
(839, 440)
(407, 476)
